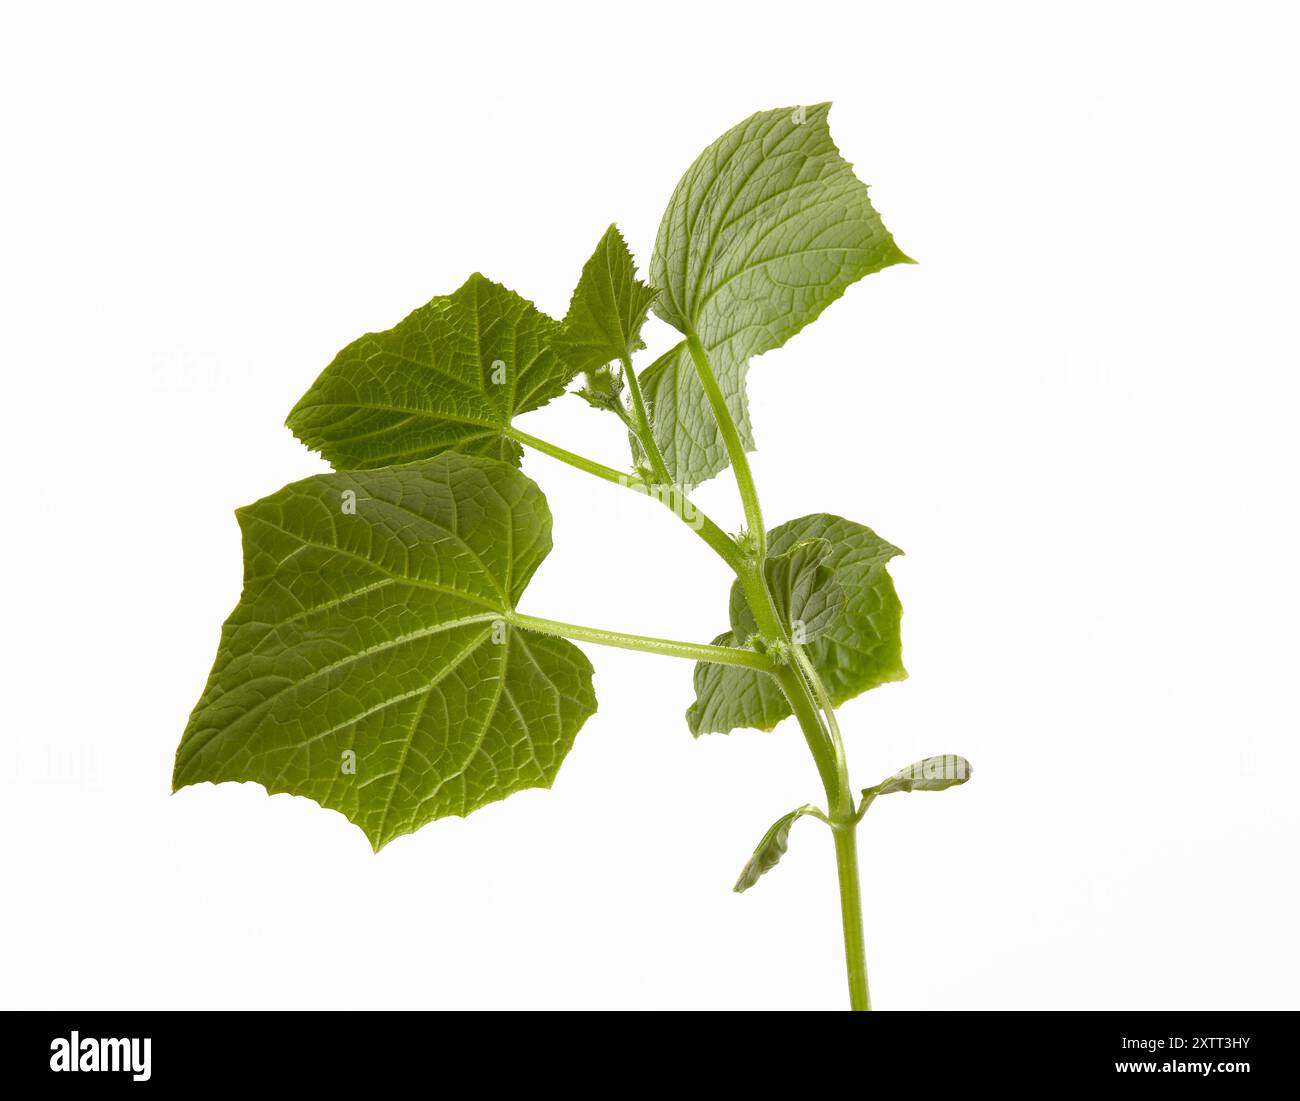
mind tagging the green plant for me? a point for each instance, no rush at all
(377, 661)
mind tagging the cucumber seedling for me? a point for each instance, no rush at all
(378, 662)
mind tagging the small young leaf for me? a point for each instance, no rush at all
(931, 774)
(770, 849)
(453, 374)
(767, 228)
(371, 664)
(860, 648)
(607, 310)
(809, 599)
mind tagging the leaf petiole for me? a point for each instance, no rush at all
(581, 462)
(644, 432)
(695, 651)
(735, 447)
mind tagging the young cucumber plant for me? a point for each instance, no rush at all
(378, 662)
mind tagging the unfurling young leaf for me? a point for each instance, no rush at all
(771, 848)
(858, 649)
(453, 374)
(604, 390)
(767, 228)
(371, 664)
(932, 774)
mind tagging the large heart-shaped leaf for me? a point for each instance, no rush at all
(860, 648)
(453, 374)
(372, 665)
(766, 229)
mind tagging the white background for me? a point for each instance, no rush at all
(1077, 415)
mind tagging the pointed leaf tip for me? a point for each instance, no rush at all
(608, 307)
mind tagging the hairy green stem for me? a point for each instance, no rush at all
(645, 432)
(735, 447)
(829, 763)
(695, 651)
(819, 692)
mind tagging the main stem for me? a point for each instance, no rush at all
(832, 766)
(855, 945)
(800, 682)
(802, 687)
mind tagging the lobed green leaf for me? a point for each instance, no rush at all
(452, 375)
(371, 664)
